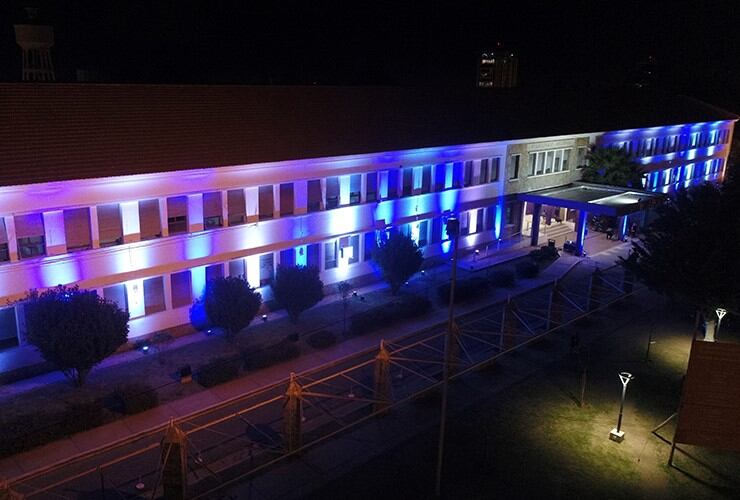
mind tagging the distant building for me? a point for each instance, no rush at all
(498, 68)
(35, 42)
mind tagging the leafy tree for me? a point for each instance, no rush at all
(690, 251)
(230, 304)
(74, 329)
(399, 259)
(297, 288)
(612, 166)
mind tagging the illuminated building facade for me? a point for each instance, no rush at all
(112, 188)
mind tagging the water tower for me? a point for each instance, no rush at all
(35, 42)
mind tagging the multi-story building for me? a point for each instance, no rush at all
(144, 193)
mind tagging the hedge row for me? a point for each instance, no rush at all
(404, 308)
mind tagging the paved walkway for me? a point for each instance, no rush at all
(104, 435)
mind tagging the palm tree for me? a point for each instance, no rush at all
(612, 166)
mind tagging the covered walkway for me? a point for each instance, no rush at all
(584, 199)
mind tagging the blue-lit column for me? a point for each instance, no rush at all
(581, 231)
(622, 227)
(536, 214)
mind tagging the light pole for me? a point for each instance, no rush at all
(720, 314)
(453, 230)
(617, 434)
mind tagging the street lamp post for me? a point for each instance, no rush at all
(617, 434)
(720, 314)
(453, 230)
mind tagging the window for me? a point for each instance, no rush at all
(464, 223)
(117, 295)
(332, 192)
(314, 195)
(29, 230)
(349, 249)
(177, 214)
(581, 156)
(372, 186)
(266, 202)
(8, 328)
(4, 252)
(468, 174)
(408, 181)
(182, 290)
(549, 158)
(457, 174)
(392, 183)
(495, 169)
(153, 295)
(566, 159)
(423, 233)
(426, 179)
(436, 230)
(77, 229)
(330, 255)
(370, 243)
(514, 167)
(355, 189)
(267, 269)
(236, 207)
(214, 271)
(212, 210)
(150, 226)
(440, 177)
(286, 199)
(483, 172)
(110, 229)
(237, 267)
(479, 220)
(312, 257)
(287, 257)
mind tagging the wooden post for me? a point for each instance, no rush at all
(292, 414)
(174, 453)
(383, 379)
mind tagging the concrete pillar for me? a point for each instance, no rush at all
(167, 282)
(581, 231)
(300, 197)
(363, 188)
(276, 201)
(225, 208)
(252, 199)
(382, 378)
(56, 243)
(195, 212)
(12, 238)
(94, 227)
(174, 453)
(163, 216)
(344, 185)
(130, 221)
(536, 213)
(292, 415)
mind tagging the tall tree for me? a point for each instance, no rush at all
(612, 166)
(690, 251)
(230, 304)
(297, 288)
(74, 329)
(399, 259)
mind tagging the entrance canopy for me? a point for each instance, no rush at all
(595, 198)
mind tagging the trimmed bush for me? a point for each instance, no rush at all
(527, 268)
(278, 353)
(408, 307)
(134, 397)
(218, 371)
(469, 289)
(544, 253)
(321, 339)
(23, 432)
(504, 277)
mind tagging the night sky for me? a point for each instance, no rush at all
(696, 45)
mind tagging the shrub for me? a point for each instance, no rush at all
(544, 253)
(297, 288)
(527, 268)
(408, 307)
(21, 433)
(321, 339)
(278, 353)
(230, 304)
(218, 371)
(134, 397)
(504, 277)
(399, 258)
(469, 289)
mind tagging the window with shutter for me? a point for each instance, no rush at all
(177, 214)
(371, 187)
(182, 291)
(314, 195)
(355, 182)
(117, 295)
(110, 228)
(77, 229)
(236, 206)
(29, 230)
(150, 225)
(266, 202)
(286, 199)
(153, 295)
(332, 192)
(4, 252)
(214, 271)
(212, 210)
(267, 269)
(237, 268)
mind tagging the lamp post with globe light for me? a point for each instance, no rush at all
(720, 312)
(617, 434)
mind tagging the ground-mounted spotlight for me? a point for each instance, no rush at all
(264, 318)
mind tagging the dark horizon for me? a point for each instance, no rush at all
(579, 43)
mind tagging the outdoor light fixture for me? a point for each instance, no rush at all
(617, 434)
(264, 317)
(354, 294)
(145, 349)
(720, 314)
(423, 272)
